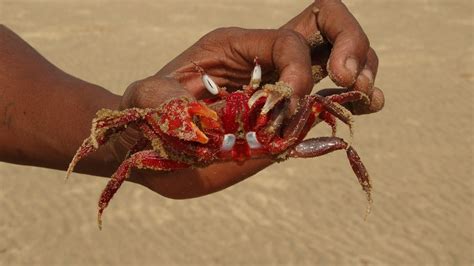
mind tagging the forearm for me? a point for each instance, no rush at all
(45, 113)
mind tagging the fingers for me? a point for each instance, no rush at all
(284, 51)
(350, 44)
(338, 25)
(352, 63)
(365, 83)
(227, 55)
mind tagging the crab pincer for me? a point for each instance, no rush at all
(175, 118)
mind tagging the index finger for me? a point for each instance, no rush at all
(284, 51)
(338, 25)
(292, 59)
(350, 43)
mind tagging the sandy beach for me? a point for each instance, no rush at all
(418, 149)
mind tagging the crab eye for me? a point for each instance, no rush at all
(228, 142)
(252, 140)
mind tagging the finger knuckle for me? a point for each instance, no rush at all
(287, 33)
(289, 37)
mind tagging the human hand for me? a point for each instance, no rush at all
(227, 56)
(352, 62)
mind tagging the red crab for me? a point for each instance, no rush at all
(250, 123)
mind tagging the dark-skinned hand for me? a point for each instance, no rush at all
(227, 56)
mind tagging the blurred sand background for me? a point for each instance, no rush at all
(419, 149)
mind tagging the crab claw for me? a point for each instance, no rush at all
(176, 119)
(207, 117)
(201, 110)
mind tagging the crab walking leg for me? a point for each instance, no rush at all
(148, 159)
(107, 119)
(349, 97)
(297, 127)
(106, 123)
(86, 148)
(334, 108)
(331, 106)
(315, 147)
(273, 94)
(331, 121)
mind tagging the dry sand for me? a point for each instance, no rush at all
(418, 149)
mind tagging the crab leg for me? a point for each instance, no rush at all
(273, 96)
(105, 124)
(334, 108)
(331, 121)
(315, 147)
(110, 119)
(348, 97)
(148, 159)
(291, 132)
(85, 149)
(313, 109)
(331, 106)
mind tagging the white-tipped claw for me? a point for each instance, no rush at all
(252, 140)
(256, 75)
(228, 142)
(210, 85)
